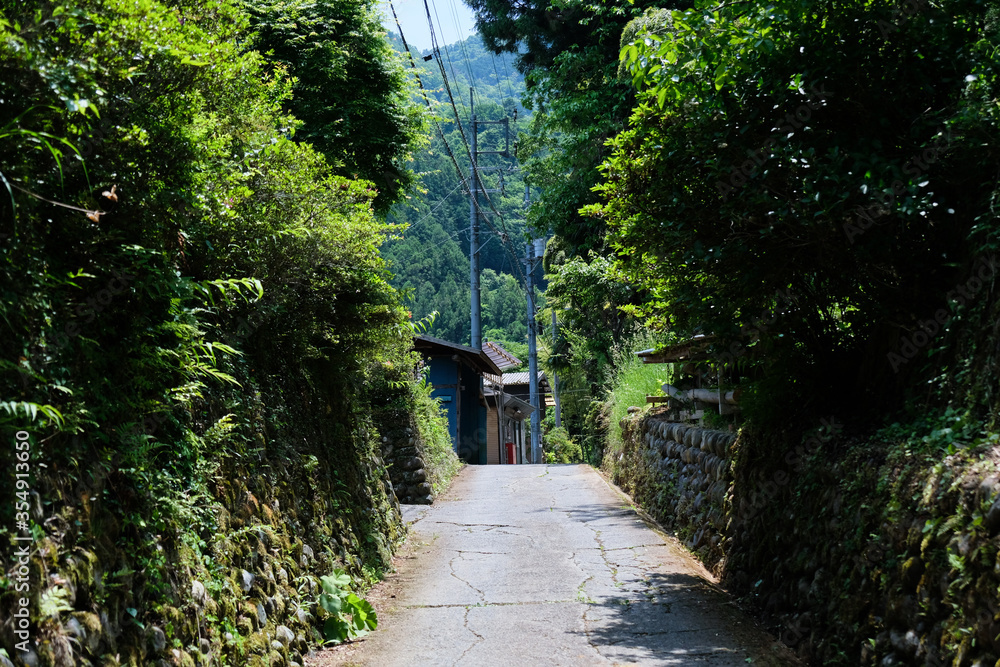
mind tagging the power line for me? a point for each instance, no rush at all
(496, 72)
(439, 204)
(505, 238)
(478, 182)
(461, 43)
(510, 87)
(447, 53)
(426, 96)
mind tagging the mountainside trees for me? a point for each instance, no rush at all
(430, 259)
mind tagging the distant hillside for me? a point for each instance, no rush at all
(431, 259)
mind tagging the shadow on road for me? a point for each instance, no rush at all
(673, 619)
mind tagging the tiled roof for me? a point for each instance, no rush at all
(499, 356)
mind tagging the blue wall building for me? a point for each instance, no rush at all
(456, 373)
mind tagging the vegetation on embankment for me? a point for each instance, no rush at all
(199, 336)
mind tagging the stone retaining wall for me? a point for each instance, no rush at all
(852, 552)
(402, 452)
(113, 584)
(680, 474)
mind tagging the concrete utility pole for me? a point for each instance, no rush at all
(536, 432)
(555, 379)
(477, 313)
(474, 190)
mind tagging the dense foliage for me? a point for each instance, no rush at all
(189, 284)
(365, 131)
(808, 181)
(838, 156)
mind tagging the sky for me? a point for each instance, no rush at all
(453, 21)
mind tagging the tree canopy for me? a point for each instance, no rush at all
(328, 47)
(832, 153)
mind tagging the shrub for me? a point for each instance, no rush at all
(560, 447)
(631, 381)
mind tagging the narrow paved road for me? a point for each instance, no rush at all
(548, 565)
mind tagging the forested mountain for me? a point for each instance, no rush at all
(430, 259)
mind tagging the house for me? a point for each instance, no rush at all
(517, 384)
(510, 443)
(457, 375)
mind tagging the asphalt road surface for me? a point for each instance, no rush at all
(548, 565)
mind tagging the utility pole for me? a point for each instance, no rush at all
(555, 378)
(474, 190)
(536, 431)
(477, 314)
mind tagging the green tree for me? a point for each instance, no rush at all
(328, 47)
(804, 149)
(504, 308)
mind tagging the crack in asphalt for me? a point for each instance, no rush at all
(479, 637)
(643, 585)
(476, 525)
(586, 608)
(622, 608)
(581, 589)
(451, 566)
(486, 605)
(637, 546)
(586, 633)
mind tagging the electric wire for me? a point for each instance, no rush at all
(439, 205)
(506, 73)
(505, 237)
(461, 43)
(478, 183)
(447, 53)
(477, 177)
(426, 96)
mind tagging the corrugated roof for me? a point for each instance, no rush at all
(521, 377)
(510, 402)
(693, 349)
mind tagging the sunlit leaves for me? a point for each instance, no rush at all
(742, 173)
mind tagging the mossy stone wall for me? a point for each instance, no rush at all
(403, 453)
(117, 580)
(852, 552)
